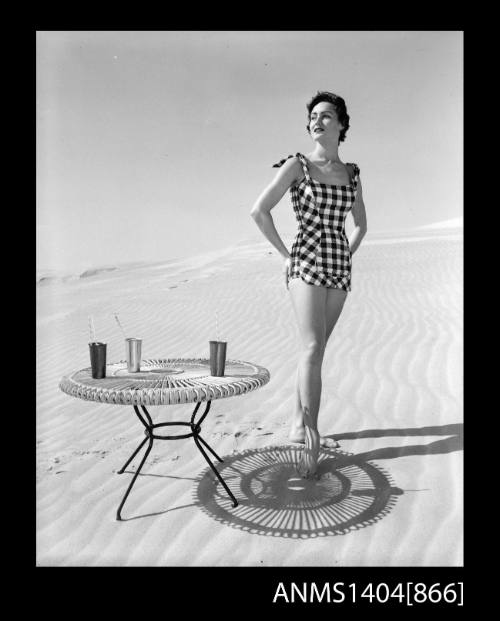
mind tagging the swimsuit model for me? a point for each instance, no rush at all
(320, 252)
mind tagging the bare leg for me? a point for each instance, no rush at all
(297, 433)
(309, 302)
(297, 429)
(334, 305)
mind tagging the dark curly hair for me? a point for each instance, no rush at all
(340, 109)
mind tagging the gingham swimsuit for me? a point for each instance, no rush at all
(320, 252)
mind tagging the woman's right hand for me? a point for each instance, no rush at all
(287, 269)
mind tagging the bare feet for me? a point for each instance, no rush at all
(298, 434)
(309, 458)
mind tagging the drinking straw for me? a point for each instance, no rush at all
(92, 329)
(216, 327)
(120, 325)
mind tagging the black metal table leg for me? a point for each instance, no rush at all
(197, 438)
(136, 474)
(197, 441)
(122, 469)
(149, 429)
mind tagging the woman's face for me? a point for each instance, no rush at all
(323, 123)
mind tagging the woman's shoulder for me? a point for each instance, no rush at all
(354, 167)
(290, 160)
(291, 169)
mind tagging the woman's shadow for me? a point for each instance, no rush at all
(351, 493)
(452, 442)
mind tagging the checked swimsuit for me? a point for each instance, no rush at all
(320, 252)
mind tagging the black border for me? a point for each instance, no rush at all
(227, 590)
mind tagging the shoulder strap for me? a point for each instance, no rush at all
(301, 159)
(281, 162)
(305, 168)
(355, 175)
(303, 162)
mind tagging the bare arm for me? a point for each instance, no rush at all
(289, 173)
(359, 215)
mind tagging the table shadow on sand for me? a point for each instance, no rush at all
(274, 500)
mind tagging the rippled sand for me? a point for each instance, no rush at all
(392, 397)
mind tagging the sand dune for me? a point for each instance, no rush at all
(392, 397)
(446, 224)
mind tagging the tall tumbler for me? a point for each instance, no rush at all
(217, 358)
(133, 352)
(98, 359)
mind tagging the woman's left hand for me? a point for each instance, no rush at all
(287, 269)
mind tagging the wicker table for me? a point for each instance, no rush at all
(171, 381)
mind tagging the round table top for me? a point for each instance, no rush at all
(166, 381)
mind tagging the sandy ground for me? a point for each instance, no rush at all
(392, 396)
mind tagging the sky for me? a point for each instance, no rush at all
(153, 146)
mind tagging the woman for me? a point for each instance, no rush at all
(318, 269)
